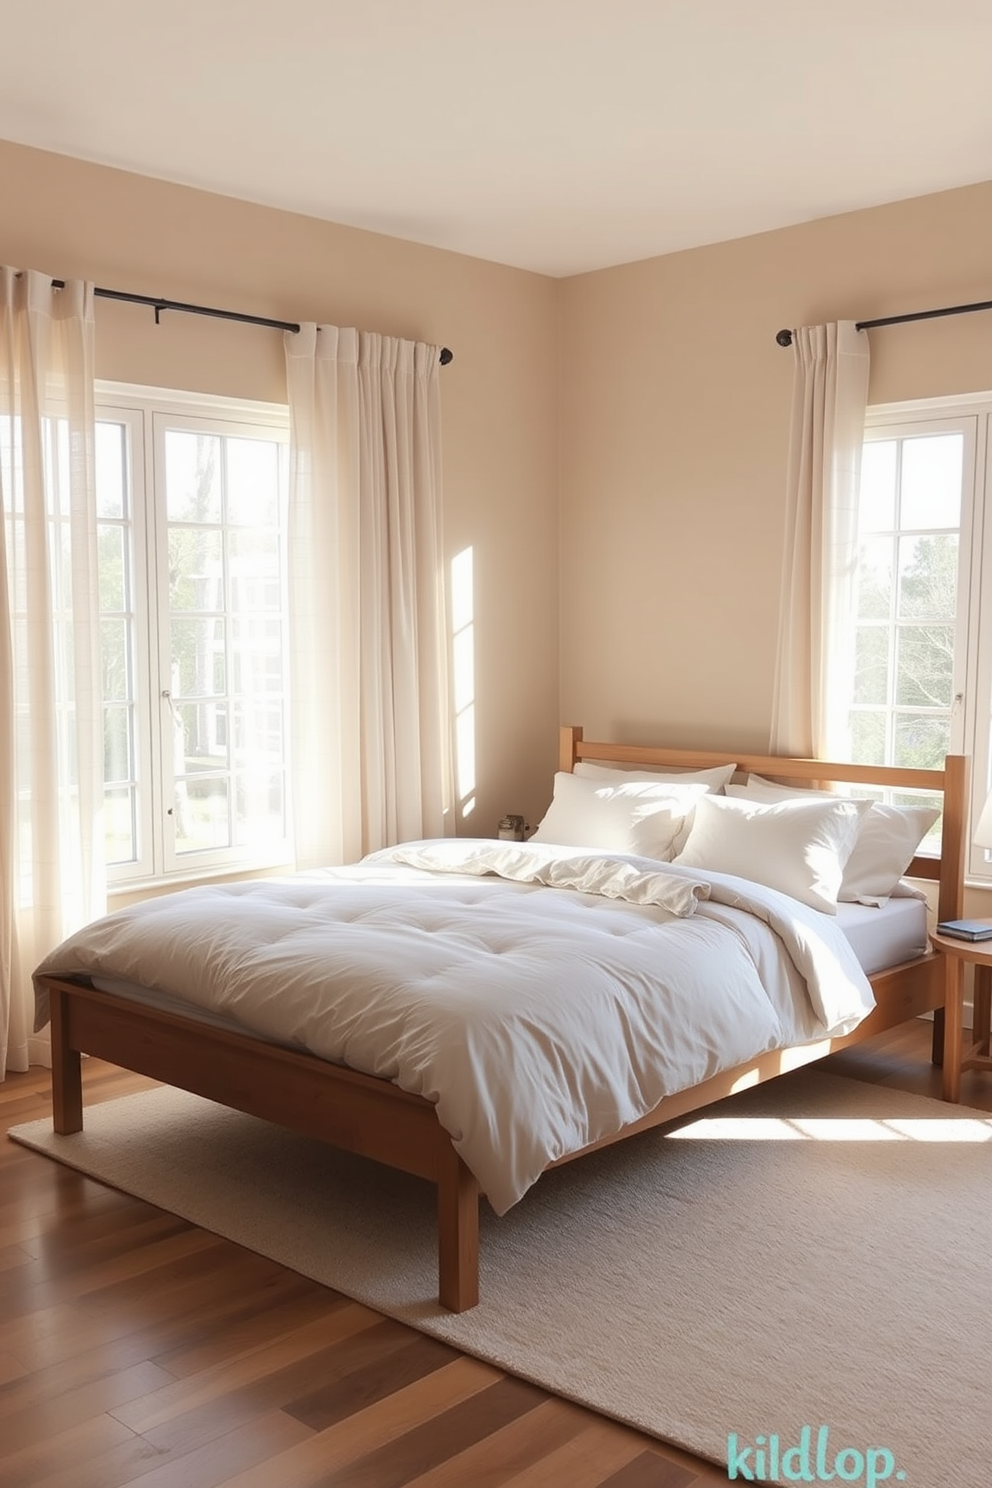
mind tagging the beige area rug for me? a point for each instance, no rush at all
(814, 1253)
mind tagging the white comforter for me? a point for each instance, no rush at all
(540, 997)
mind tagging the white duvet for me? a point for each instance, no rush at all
(541, 997)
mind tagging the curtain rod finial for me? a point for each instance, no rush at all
(446, 356)
(784, 338)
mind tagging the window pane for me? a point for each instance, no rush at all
(871, 678)
(255, 570)
(192, 476)
(117, 758)
(111, 466)
(877, 499)
(258, 735)
(261, 633)
(928, 577)
(875, 578)
(116, 660)
(868, 737)
(256, 674)
(196, 568)
(925, 666)
(200, 741)
(259, 807)
(931, 842)
(921, 741)
(200, 814)
(112, 557)
(198, 658)
(252, 482)
(931, 481)
(120, 826)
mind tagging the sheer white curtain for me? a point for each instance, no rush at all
(814, 670)
(51, 731)
(371, 757)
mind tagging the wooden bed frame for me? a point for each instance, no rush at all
(372, 1117)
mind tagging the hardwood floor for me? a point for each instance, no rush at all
(135, 1348)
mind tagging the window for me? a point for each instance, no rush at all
(191, 497)
(923, 645)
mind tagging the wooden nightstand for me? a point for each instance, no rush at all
(975, 1055)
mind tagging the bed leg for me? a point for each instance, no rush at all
(458, 1236)
(67, 1077)
(937, 1046)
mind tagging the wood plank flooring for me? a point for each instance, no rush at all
(135, 1348)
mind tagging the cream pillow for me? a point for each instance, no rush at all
(626, 816)
(798, 847)
(887, 841)
(714, 779)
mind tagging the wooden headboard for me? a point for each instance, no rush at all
(950, 783)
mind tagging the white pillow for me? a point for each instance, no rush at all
(714, 779)
(886, 844)
(798, 847)
(641, 817)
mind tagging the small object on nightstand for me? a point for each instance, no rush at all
(511, 829)
(966, 929)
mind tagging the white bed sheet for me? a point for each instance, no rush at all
(537, 1019)
(887, 935)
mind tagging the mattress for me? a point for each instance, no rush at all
(886, 935)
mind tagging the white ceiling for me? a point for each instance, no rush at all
(556, 135)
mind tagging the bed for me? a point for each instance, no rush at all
(252, 1070)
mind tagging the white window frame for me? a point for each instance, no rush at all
(146, 412)
(137, 478)
(971, 709)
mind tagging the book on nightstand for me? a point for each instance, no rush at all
(966, 929)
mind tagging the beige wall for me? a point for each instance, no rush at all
(675, 414)
(669, 451)
(499, 396)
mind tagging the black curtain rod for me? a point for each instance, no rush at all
(154, 302)
(784, 338)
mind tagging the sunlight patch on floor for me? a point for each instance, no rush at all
(835, 1129)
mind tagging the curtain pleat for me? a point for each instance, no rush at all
(370, 749)
(814, 669)
(51, 731)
